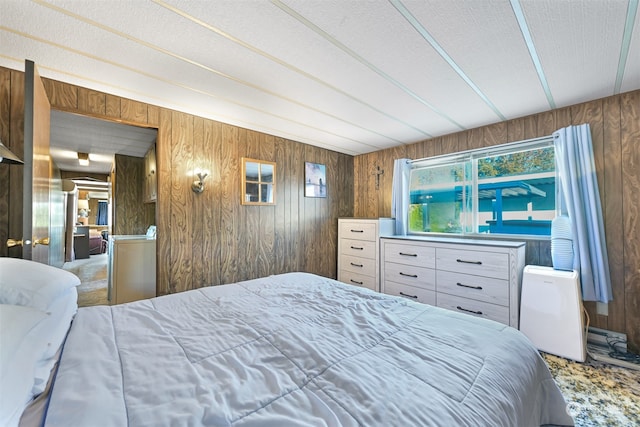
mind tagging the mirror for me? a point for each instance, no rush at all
(258, 182)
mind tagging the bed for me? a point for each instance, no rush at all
(296, 349)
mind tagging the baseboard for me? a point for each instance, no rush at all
(599, 347)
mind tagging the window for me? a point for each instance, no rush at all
(509, 189)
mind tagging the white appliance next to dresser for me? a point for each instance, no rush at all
(131, 267)
(473, 276)
(359, 250)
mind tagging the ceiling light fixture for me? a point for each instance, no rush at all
(83, 159)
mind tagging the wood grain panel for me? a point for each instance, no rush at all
(213, 148)
(200, 242)
(181, 199)
(296, 165)
(281, 211)
(61, 95)
(133, 111)
(153, 115)
(163, 203)
(229, 204)
(266, 225)
(515, 130)
(630, 138)
(91, 102)
(129, 213)
(496, 134)
(113, 106)
(613, 210)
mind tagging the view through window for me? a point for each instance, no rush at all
(501, 190)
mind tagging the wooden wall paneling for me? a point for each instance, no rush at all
(133, 111)
(546, 124)
(496, 134)
(61, 95)
(200, 237)
(282, 212)
(211, 203)
(181, 201)
(251, 214)
(266, 224)
(463, 138)
(5, 120)
(113, 106)
(296, 201)
(359, 186)
(630, 134)
(530, 127)
(515, 130)
(371, 202)
(475, 138)
(229, 204)
(613, 210)
(435, 147)
(338, 180)
(129, 215)
(92, 102)
(563, 117)
(153, 115)
(323, 217)
(310, 223)
(16, 173)
(163, 204)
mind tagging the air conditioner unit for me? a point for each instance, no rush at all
(551, 313)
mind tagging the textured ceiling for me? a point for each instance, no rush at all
(350, 76)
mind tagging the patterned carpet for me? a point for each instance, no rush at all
(598, 394)
(92, 272)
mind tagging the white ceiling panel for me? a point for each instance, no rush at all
(579, 35)
(347, 75)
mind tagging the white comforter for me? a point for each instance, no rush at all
(297, 349)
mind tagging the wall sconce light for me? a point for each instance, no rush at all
(198, 185)
(83, 159)
(6, 156)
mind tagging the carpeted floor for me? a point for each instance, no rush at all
(598, 394)
(92, 272)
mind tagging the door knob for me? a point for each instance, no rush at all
(12, 242)
(42, 241)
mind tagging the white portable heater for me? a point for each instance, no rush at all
(551, 313)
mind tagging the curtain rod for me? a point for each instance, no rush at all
(493, 147)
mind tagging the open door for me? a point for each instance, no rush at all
(37, 169)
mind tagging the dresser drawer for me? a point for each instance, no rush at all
(420, 277)
(421, 256)
(357, 279)
(359, 265)
(358, 248)
(410, 292)
(358, 230)
(487, 289)
(479, 263)
(485, 310)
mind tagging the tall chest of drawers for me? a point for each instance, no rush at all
(359, 250)
(476, 277)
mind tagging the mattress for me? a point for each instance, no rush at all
(297, 349)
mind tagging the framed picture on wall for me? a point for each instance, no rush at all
(315, 180)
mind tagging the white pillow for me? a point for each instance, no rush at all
(31, 283)
(22, 345)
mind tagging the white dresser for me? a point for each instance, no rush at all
(359, 250)
(477, 277)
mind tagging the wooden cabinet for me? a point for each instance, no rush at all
(359, 250)
(477, 277)
(150, 190)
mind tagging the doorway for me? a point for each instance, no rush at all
(113, 179)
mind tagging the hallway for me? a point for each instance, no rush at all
(93, 276)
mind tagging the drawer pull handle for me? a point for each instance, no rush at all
(356, 282)
(415, 276)
(405, 254)
(357, 248)
(469, 311)
(469, 286)
(357, 231)
(409, 296)
(469, 262)
(356, 265)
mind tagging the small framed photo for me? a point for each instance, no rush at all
(315, 180)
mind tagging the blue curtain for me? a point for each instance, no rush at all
(101, 219)
(579, 198)
(400, 195)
